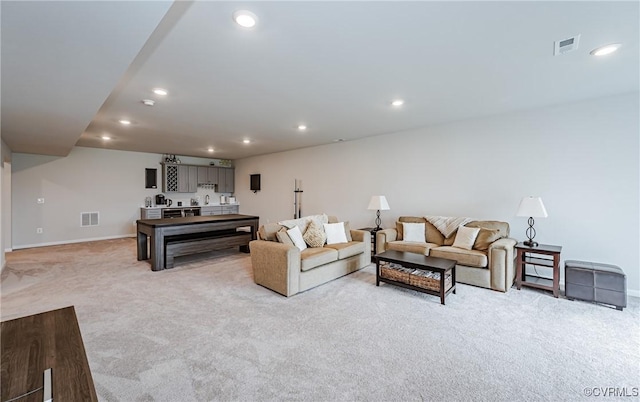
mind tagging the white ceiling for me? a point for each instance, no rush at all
(71, 70)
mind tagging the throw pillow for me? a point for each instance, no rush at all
(303, 222)
(347, 231)
(485, 238)
(335, 233)
(283, 237)
(314, 236)
(296, 238)
(466, 237)
(413, 232)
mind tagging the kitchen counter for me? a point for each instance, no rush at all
(174, 211)
(216, 204)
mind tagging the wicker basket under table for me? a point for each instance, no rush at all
(416, 272)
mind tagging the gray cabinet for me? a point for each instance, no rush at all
(226, 180)
(208, 210)
(179, 178)
(207, 175)
(150, 213)
(169, 178)
(187, 179)
(230, 209)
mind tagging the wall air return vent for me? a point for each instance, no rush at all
(566, 45)
(89, 219)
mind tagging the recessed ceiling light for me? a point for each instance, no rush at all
(245, 18)
(125, 122)
(106, 137)
(605, 50)
(148, 102)
(210, 149)
(160, 91)
(246, 141)
(302, 127)
(397, 102)
(338, 140)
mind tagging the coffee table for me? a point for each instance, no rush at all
(416, 271)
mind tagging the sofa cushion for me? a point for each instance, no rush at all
(465, 237)
(315, 236)
(411, 247)
(432, 235)
(485, 238)
(449, 240)
(303, 222)
(502, 227)
(315, 256)
(346, 250)
(408, 219)
(268, 231)
(283, 237)
(471, 258)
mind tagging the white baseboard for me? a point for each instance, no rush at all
(57, 243)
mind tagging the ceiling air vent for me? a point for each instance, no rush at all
(566, 45)
(89, 219)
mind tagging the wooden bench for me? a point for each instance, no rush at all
(194, 243)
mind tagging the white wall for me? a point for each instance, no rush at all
(581, 158)
(87, 180)
(5, 201)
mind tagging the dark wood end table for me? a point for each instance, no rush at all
(373, 232)
(536, 257)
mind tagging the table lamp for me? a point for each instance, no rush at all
(533, 208)
(379, 203)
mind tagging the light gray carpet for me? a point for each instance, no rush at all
(204, 331)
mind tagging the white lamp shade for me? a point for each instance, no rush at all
(378, 202)
(532, 207)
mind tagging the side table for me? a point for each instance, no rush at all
(537, 257)
(373, 232)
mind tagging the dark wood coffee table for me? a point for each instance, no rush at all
(414, 261)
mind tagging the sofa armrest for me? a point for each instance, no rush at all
(276, 266)
(365, 237)
(383, 237)
(501, 265)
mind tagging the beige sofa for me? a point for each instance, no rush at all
(283, 268)
(489, 264)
